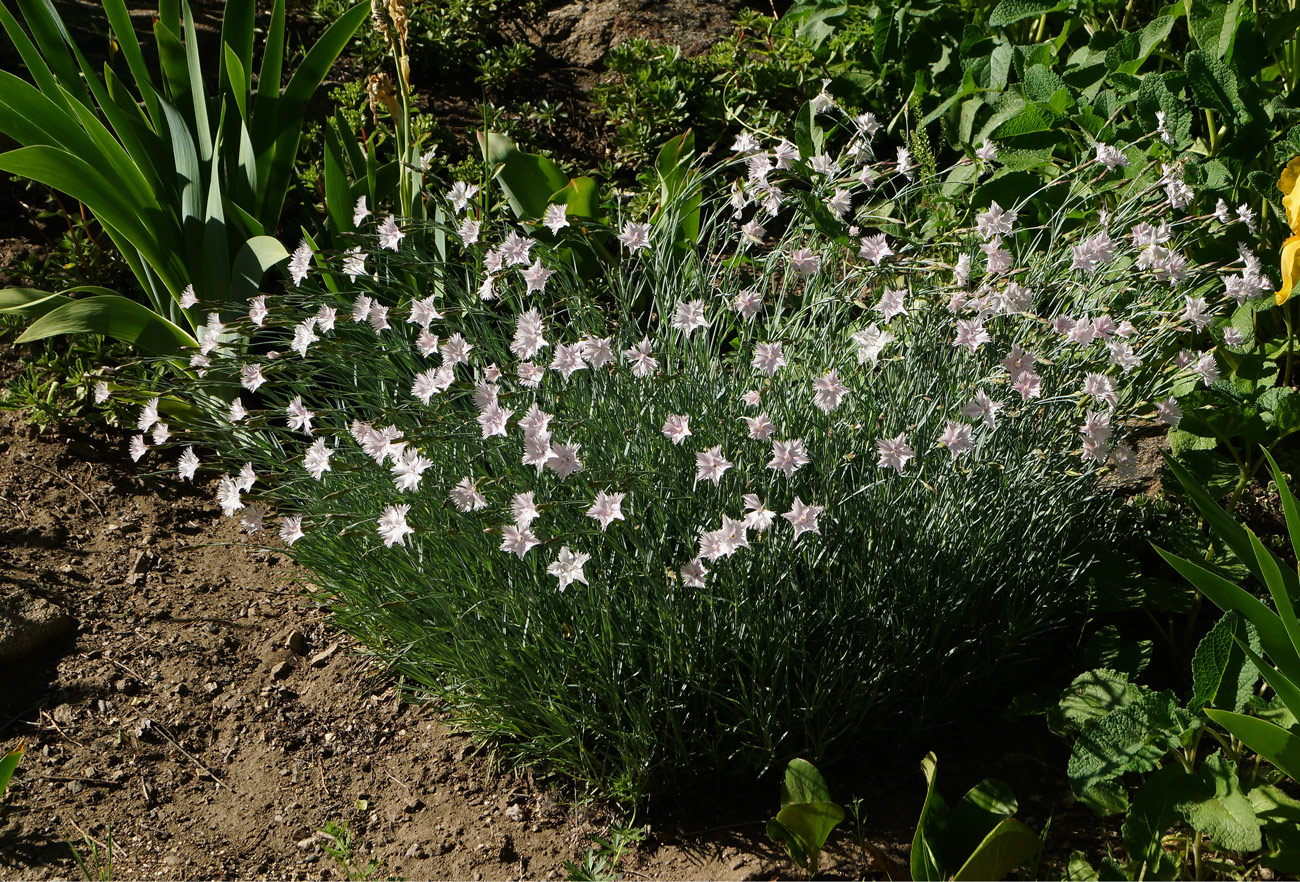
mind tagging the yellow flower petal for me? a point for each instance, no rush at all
(1291, 193)
(1290, 268)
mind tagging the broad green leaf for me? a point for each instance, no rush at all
(1227, 816)
(52, 38)
(34, 63)
(1095, 693)
(119, 19)
(7, 766)
(1273, 743)
(1289, 505)
(29, 302)
(527, 179)
(1213, 83)
(809, 136)
(1227, 596)
(338, 194)
(581, 197)
(1079, 870)
(1008, 12)
(1133, 738)
(113, 316)
(803, 783)
(238, 20)
(1008, 846)
(1277, 589)
(1221, 674)
(203, 135)
(811, 822)
(786, 838)
(1213, 26)
(927, 865)
(1153, 811)
(1109, 649)
(1287, 689)
(981, 810)
(1279, 815)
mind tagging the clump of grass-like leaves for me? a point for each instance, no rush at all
(629, 537)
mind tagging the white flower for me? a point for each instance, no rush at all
(466, 496)
(957, 438)
(354, 263)
(518, 540)
(997, 221)
(456, 350)
(317, 459)
(101, 392)
(148, 415)
(390, 234)
(769, 357)
(325, 317)
(871, 341)
(758, 516)
(788, 456)
(228, 496)
(689, 315)
(607, 508)
(304, 334)
(746, 144)
(237, 411)
(596, 350)
(188, 297)
(251, 522)
(424, 312)
(563, 460)
(891, 303)
(971, 334)
(188, 464)
(408, 468)
(894, 452)
(1206, 369)
(291, 527)
(1110, 156)
(257, 311)
(693, 574)
(515, 250)
(803, 517)
(747, 303)
(875, 248)
(393, 528)
(1197, 312)
(460, 194)
(784, 154)
(536, 276)
(643, 364)
(1101, 388)
(554, 219)
(635, 237)
(983, 408)
(161, 432)
(492, 421)
(359, 212)
(246, 478)
(568, 359)
(806, 261)
(829, 391)
(711, 464)
(524, 509)
(568, 567)
(1168, 412)
(905, 165)
(841, 203)
(987, 152)
(528, 340)
(300, 262)
(761, 427)
(299, 416)
(469, 230)
(676, 428)
(377, 317)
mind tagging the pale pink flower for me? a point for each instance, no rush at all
(564, 460)
(408, 468)
(568, 359)
(891, 303)
(188, 464)
(237, 411)
(393, 528)
(607, 508)
(596, 350)
(354, 263)
(456, 350)
(554, 219)
(300, 262)
(747, 303)
(325, 317)
(769, 357)
(1168, 412)
(359, 211)
(188, 298)
(957, 438)
(524, 509)
(711, 464)
(516, 249)
(676, 428)
(389, 234)
(251, 521)
(460, 194)
(688, 316)
(528, 340)
(635, 237)
(997, 221)
(983, 408)
(466, 496)
(643, 364)
(875, 248)
(758, 517)
(517, 540)
(299, 416)
(290, 530)
(317, 459)
(804, 517)
(536, 276)
(424, 312)
(693, 574)
(828, 391)
(161, 432)
(257, 311)
(788, 456)
(228, 496)
(567, 567)
(894, 452)
(806, 261)
(760, 427)
(148, 415)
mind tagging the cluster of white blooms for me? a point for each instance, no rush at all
(509, 368)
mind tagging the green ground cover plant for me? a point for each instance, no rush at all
(707, 509)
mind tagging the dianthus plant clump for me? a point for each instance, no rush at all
(790, 486)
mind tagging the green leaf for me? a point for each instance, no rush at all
(1273, 743)
(1096, 693)
(1153, 811)
(984, 807)
(1079, 870)
(113, 316)
(1281, 406)
(811, 822)
(29, 302)
(1009, 845)
(1213, 84)
(1008, 12)
(238, 20)
(1289, 506)
(1221, 674)
(926, 863)
(527, 179)
(803, 783)
(1227, 816)
(1213, 26)
(1279, 815)
(786, 838)
(1278, 590)
(1133, 738)
(255, 257)
(7, 766)
(1109, 649)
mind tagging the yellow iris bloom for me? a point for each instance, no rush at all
(1291, 247)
